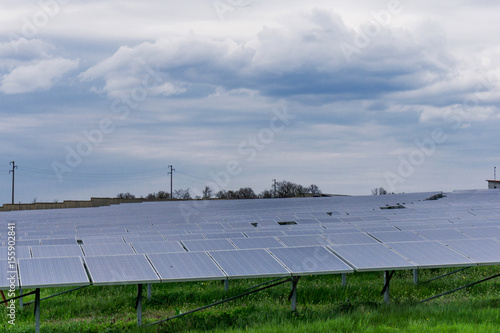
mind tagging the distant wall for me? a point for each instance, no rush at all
(93, 202)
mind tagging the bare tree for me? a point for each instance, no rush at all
(300, 191)
(266, 194)
(207, 192)
(182, 194)
(246, 193)
(285, 189)
(127, 195)
(314, 189)
(222, 194)
(379, 191)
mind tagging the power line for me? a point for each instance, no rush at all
(191, 176)
(75, 176)
(14, 167)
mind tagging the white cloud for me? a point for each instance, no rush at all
(167, 89)
(41, 75)
(301, 57)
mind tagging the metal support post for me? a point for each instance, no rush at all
(415, 276)
(226, 285)
(344, 279)
(139, 305)
(385, 291)
(149, 291)
(20, 299)
(293, 293)
(37, 310)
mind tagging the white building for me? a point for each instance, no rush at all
(493, 184)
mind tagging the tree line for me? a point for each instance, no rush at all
(282, 189)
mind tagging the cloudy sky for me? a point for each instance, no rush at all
(99, 97)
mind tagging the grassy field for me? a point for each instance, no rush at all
(323, 305)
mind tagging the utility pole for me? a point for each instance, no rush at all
(274, 186)
(171, 173)
(14, 167)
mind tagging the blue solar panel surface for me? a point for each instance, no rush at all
(460, 229)
(52, 272)
(187, 266)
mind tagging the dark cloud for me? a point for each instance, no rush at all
(299, 59)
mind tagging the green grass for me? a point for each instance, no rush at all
(323, 305)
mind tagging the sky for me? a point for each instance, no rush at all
(100, 97)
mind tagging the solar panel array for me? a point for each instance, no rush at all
(156, 242)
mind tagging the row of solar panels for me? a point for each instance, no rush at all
(461, 229)
(158, 244)
(240, 230)
(249, 263)
(277, 209)
(126, 223)
(247, 229)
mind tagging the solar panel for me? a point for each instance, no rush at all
(251, 234)
(351, 238)
(208, 245)
(52, 272)
(441, 234)
(120, 269)
(483, 251)
(303, 231)
(26, 242)
(373, 218)
(58, 241)
(482, 232)
(396, 236)
(107, 249)
(222, 235)
(54, 251)
(431, 254)
(22, 252)
(256, 242)
(210, 226)
(309, 221)
(339, 230)
(102, 240)
(307, 240)
(460, 216)
(144, 239)
(187, 266)
(183, 237)
(310, 260)
(371, 257)
(158, 247)
(370, 229)
(248, 263)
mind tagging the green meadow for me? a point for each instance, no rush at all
(323, 305)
